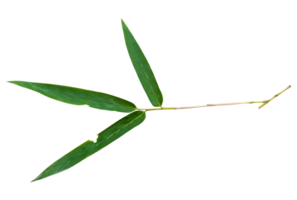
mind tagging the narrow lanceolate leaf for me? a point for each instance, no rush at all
(78, 96)
(89, 147)
(142, 68)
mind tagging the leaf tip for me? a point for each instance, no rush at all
(31, 181)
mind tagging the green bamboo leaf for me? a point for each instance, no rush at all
(89, 147)
(78, 96)
(142, 68)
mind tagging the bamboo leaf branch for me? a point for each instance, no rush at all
(99, 100)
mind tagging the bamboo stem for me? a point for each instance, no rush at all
(210, 105)
(206, 105)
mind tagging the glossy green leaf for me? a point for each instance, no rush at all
(89, 147)
(78, 96)
(142, 68)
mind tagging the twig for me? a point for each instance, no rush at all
(275, 96)
(206, 105)
(262, 103)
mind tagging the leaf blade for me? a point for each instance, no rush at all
(142, 68)
(79, 96)
(88, 148)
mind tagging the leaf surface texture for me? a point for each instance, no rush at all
(142, 68)
(88, 148)
(78, 96)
